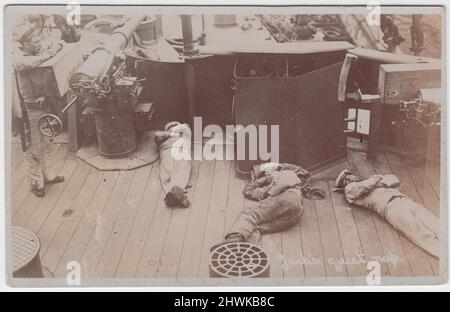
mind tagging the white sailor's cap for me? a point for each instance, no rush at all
(341, 177)
(170, 125)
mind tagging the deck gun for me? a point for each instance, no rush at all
(102, 73)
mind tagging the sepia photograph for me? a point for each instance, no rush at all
(225, 146)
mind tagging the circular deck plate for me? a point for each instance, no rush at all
(239, 260)
(25, 246)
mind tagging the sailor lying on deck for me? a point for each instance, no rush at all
(279, 190)
(174, 173)
(380, 194)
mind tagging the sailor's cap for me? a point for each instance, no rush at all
(170, 125)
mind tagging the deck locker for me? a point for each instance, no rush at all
(298, 92)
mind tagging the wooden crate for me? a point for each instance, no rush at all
(399, 82)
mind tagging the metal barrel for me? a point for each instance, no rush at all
(116, 134)
(101, 58)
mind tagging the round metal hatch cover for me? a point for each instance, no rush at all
(239, 259)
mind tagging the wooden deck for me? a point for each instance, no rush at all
(117, 225)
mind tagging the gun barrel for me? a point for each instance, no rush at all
(101, 58)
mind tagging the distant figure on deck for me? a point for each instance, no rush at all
(279, 190)
(380, 194)
(175, 170)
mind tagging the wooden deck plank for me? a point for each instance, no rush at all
(419, 260)
(311, 241)
(235, 199)
(272, 244)
(149, 261)
(329, 233)
(155, 240)
(173, 246)
(31, 203)
(21, 194)
(24, 201)
(369, 237)
(53, 195)
(189, 264)
(88, 223)
(292, 253)
(433, 172)
(16, 156)
(66, 200)
(122, 227)
(364, 218)
(18, 177)
(64, 234)
(425, 188)
(136, 242)
(105, 223)
(156, 237)
(217, 211)
(349, 235)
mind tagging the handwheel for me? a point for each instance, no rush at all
(50, 125)
(239, 260)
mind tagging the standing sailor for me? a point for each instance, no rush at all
(31, 47)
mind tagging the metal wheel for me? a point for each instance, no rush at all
(50, 125)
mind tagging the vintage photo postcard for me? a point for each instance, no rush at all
(225, 145)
